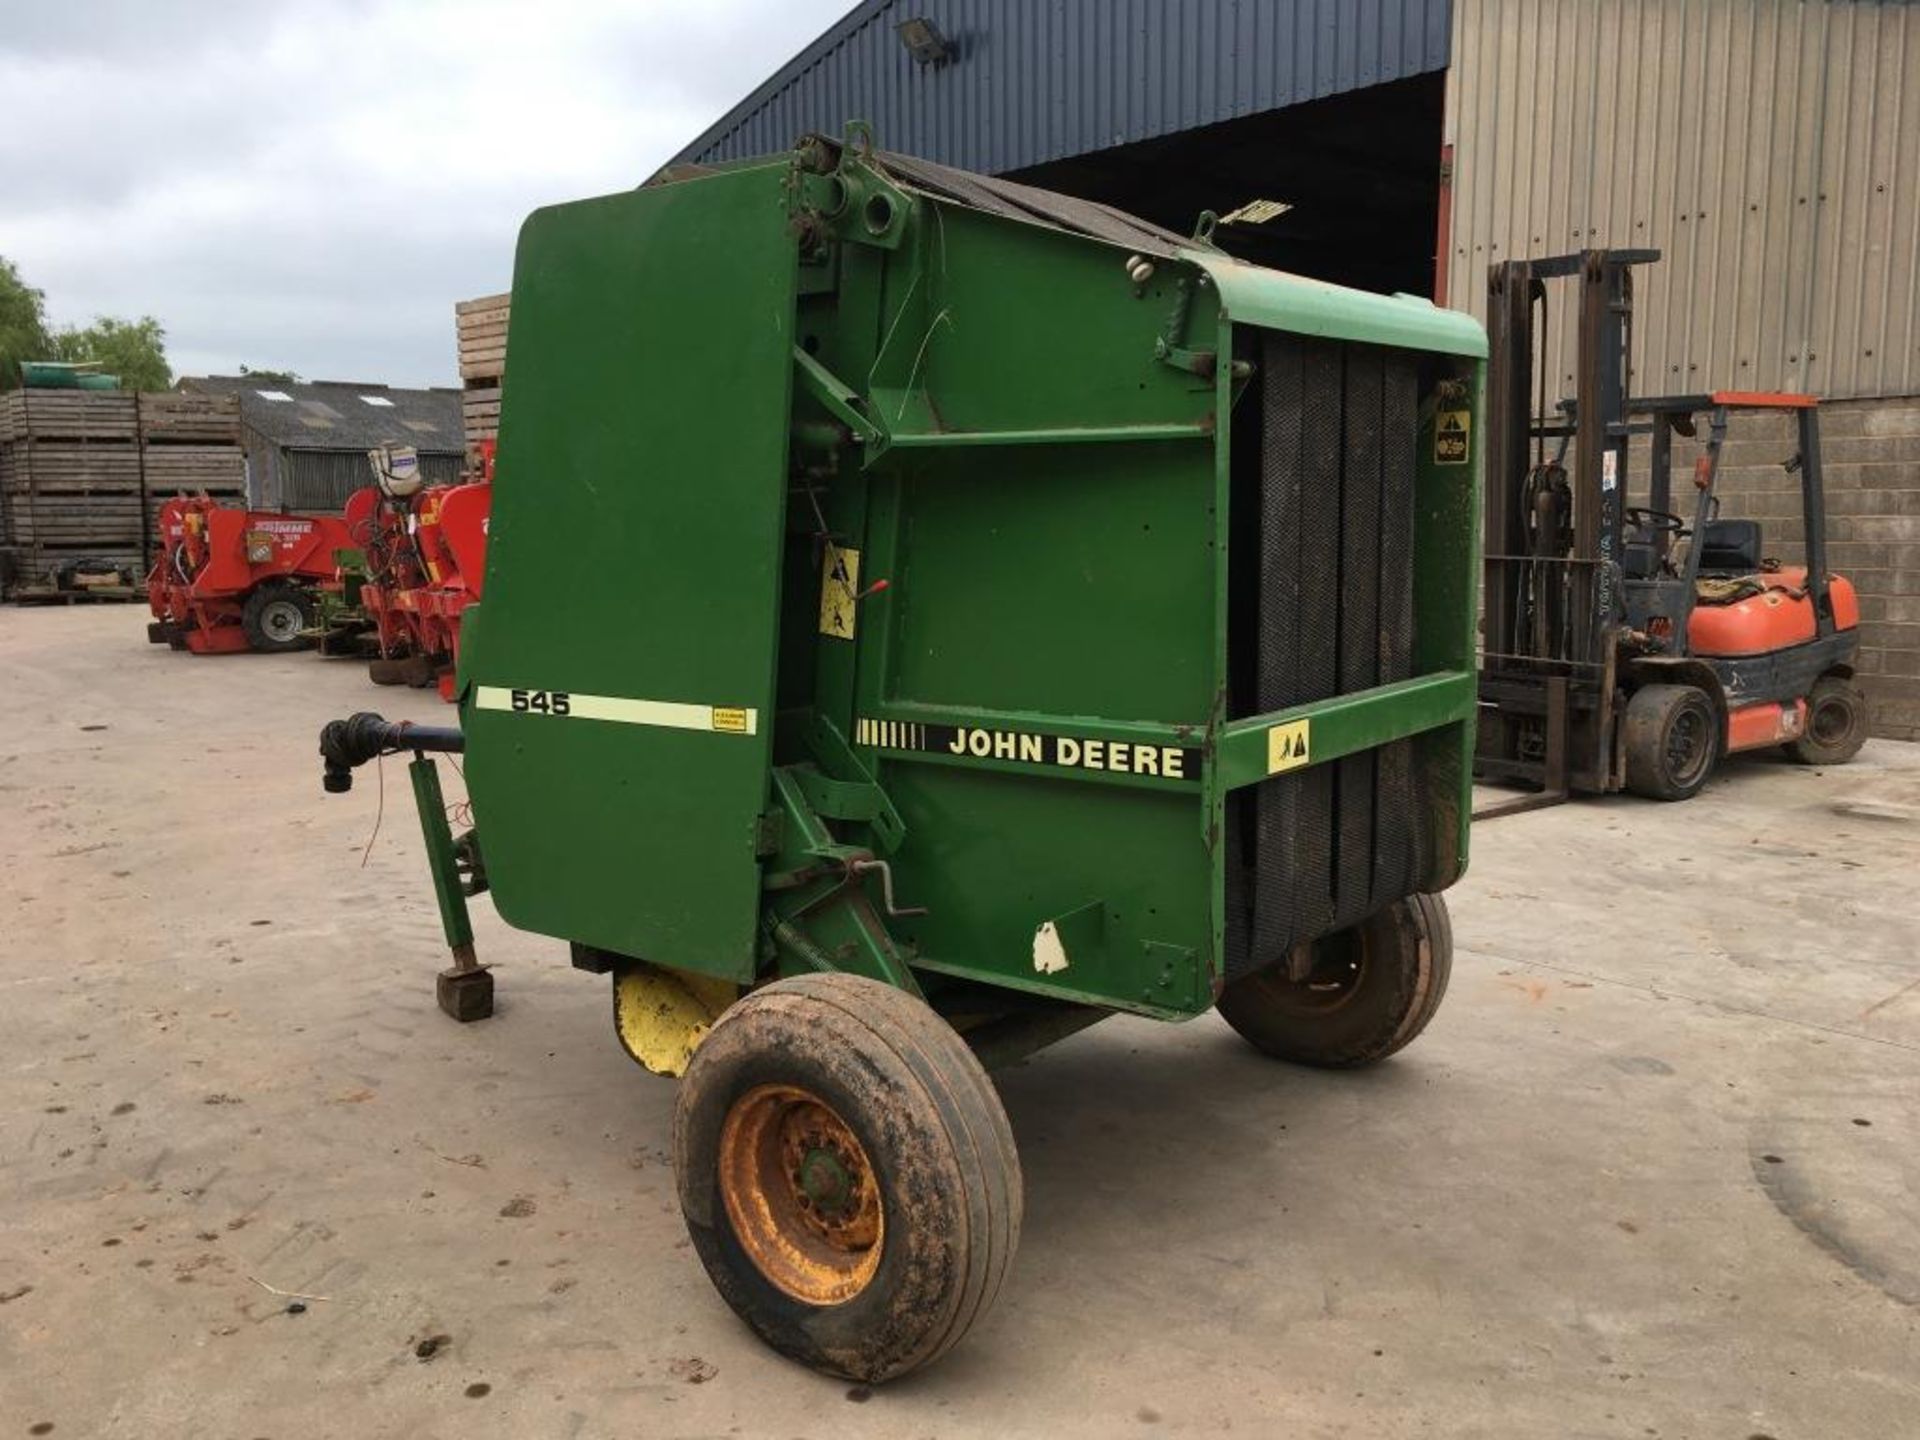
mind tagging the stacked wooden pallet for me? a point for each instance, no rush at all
(189, 445)
(186, 416)
(69, 484)
(83, 474)
(481, 328)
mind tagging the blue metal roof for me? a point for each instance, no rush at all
(1037, 80)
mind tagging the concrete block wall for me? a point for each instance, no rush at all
(1872, 459)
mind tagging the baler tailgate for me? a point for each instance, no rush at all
(623, 671)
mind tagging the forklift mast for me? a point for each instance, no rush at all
(1554, 521)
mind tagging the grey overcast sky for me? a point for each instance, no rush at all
(311, 184)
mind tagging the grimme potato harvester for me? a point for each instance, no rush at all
(232, 579)
(999, 613)
(424, 555)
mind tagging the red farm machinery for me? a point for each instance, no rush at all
(424, 549)
(231, 579)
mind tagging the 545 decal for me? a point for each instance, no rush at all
(542, 702)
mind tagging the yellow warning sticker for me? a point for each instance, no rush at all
(1289, 746)
(839, 585)
(1451, 432)
(730, 719)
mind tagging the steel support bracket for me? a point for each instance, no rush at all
(1171, 348)
(1198, 362)
(836, 759)
(818, 915)
(842, 402)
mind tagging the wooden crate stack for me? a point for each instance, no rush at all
(69, 484)
(190, 444)
(481, 327)
(82, 473)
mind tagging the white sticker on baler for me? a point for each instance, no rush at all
(1049, 952)
(667, 714)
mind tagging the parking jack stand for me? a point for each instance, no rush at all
(465, 988)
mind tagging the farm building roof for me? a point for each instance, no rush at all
(341, 414)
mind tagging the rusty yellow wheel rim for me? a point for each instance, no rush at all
(801, 1194)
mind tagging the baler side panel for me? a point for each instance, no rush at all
(1041, 659)
(1034, 686)
(618, 698)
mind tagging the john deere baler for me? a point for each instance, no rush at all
(926, 615)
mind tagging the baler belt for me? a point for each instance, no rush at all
(1397, 823)
(1319, 850)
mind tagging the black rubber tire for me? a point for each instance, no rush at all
(1399, 961)
(937, 1140)
(263, 617)
(1836, 723)
(420, 671)
(386, 670)
(1673, 741)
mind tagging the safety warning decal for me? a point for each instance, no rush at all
(1066, 752)
(1289, 746)
(1451, 431)
(839, 591)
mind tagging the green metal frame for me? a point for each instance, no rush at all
(862, 601)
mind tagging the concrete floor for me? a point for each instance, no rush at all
(1654, 1171)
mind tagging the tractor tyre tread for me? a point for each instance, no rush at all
(922, 1105)
(1414, 941)
(253, 612)
(1651, 711)
(1809, 749)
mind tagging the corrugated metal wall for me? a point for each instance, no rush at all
(319, 481)
(1036, 80)
(1771, 149)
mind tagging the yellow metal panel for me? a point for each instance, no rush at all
(662, 1015)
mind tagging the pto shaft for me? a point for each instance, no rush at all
(354, 741)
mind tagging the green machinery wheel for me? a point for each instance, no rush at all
(1367, 991)
(847, 1174)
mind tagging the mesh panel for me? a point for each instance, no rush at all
(1316, 851)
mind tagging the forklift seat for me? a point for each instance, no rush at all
(1639, 560)
(1730, 547)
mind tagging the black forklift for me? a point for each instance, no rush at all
(1630, 646)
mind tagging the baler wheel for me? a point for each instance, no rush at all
(275, 616)
(1369, 990)
(1836, 723)
(847, 1174)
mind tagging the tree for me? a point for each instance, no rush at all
(23, 324)
(270, 377)
(135, 350)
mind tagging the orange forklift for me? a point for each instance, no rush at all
(1633, 646)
